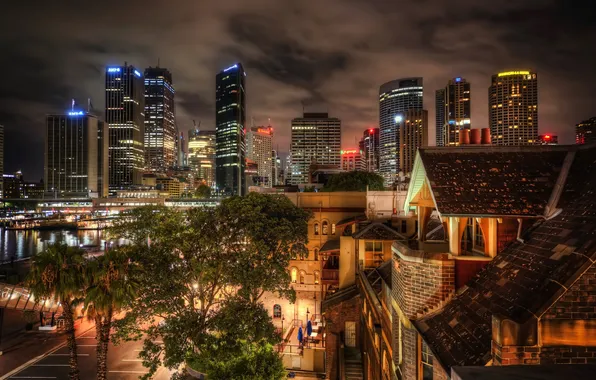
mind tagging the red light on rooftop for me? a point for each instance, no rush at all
(371, 130)
(547, 137)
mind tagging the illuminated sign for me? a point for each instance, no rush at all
(265, 130)
(458, 79)
(76, 113)
(351, 151)
(137, 73)
(232, 67)
(509, 73)
(547, 137)
(113, 69)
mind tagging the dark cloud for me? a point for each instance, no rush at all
(330, 55)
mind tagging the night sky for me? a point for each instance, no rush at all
(330, 54)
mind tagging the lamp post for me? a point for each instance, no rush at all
(306, 326)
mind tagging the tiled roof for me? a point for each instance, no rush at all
(329, 246)
(524, 279)
(494, 180)
(378, 231)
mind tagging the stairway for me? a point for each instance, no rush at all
(353, 364)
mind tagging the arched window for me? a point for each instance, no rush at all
(276, 311)
(317, 276)
(333, 229)
(302, 275)
(316, 228)
(316, 254)
(294, 274)
(325, 228)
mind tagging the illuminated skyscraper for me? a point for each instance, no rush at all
(352, 160)
(395, 98)
(1, 160)
(413, 135)
(230, 119)
(259, 149)
(585, 132)
(76, 156)
(453, 111)
(513, 108)
(125, 99)
(160, 124)
(370, 149)
(201, 155)
(316, 138)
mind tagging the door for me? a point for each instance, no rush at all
(350, 334)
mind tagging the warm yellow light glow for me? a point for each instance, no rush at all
(509, 73)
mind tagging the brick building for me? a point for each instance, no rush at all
(511, 278)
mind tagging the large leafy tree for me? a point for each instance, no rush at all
(58, 273)
(111, 285)
(354, 181)
(204, 267)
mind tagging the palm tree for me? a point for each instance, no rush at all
(112, 283)
(58, 273)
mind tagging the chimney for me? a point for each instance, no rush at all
(475, 136)
(464, 136)
(486, 139)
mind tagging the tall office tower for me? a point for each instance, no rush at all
(513, 108)
(413, 135)
(453, 111)
(585, 132)
(395, 98)
(352, 160)
(258, 149)
(182, 149)
(1, 160)
(125, 102)
(160, 122)
(275, 168)
(440, 117)
(230, 118)
(370, 149)
(316, 138)
(76, 156)
(201, 155)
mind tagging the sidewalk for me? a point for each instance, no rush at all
(20, 347)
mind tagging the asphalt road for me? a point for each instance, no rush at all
(123, 362)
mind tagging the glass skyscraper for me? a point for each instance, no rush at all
(230, 140)
(125, 102)
(160, 124)
(513, 108)
(395, 98)
(201, 155)
(453, 111)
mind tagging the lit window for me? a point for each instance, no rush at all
(316, 254)
(325, 228)
(333, 229)
(317, 276)
(302, 275)
(316, 228)
(294, 274)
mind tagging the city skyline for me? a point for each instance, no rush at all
(342, 70)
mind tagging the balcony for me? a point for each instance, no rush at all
(330, 276)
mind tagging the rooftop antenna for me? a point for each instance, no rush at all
(269, 121)
(73, 104)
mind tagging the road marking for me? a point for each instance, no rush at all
(139, 372)
(132, 360)
(67, 355)
(50, 365)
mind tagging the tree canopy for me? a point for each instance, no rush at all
(354, 181)
(205, 271)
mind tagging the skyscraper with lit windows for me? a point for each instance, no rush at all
(125, 102)
(395, 98)
(160, 124)
(230, 140)
(513, 108)
(453, 111)
(259, 149)
(201, 155)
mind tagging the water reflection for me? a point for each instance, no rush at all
(16, 244)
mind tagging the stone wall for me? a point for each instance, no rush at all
(336, 318)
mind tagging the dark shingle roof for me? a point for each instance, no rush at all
(525, 278)
(378, 231)
(494, 180)
(351, 220)
(329, 246)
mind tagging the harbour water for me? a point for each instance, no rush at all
(20, 244)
